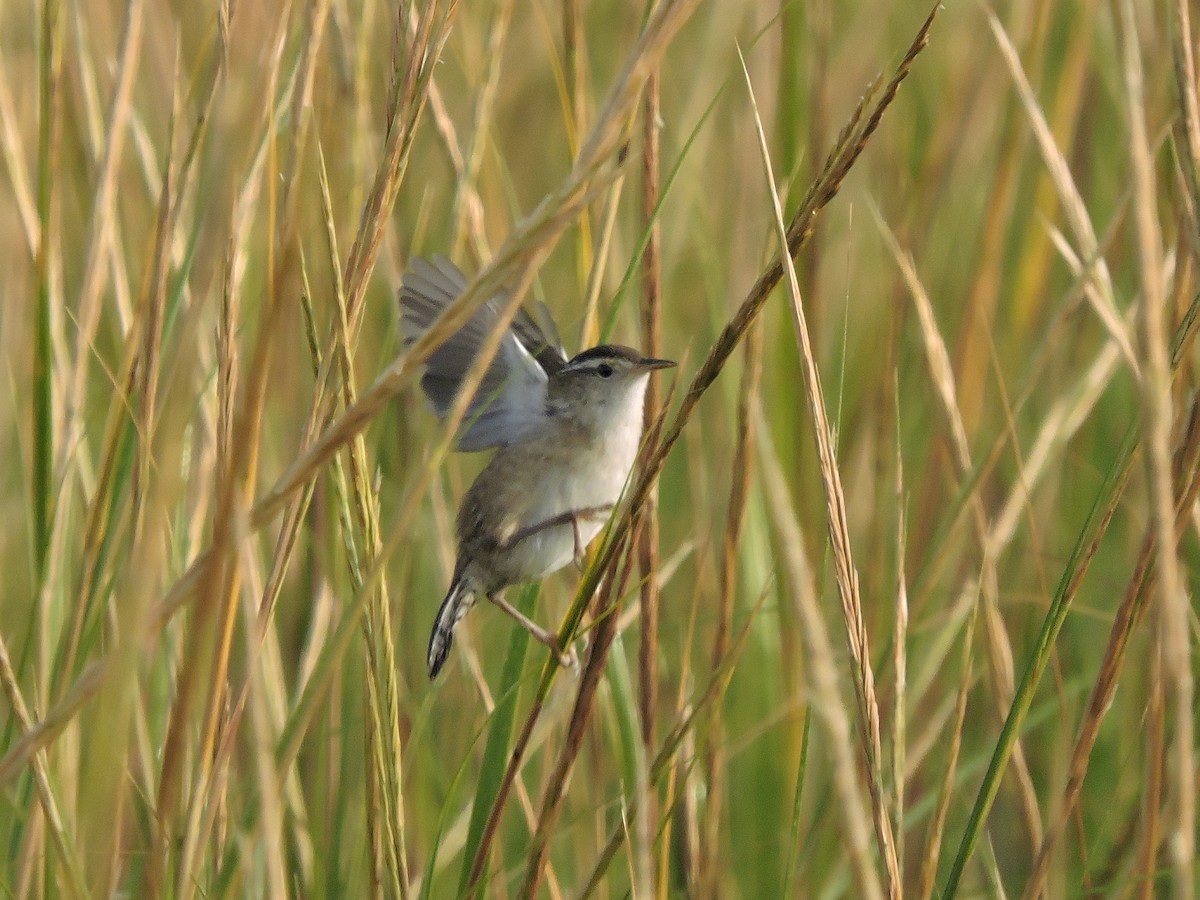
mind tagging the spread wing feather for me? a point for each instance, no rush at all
(511, 399)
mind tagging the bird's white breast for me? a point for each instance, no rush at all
(593, 476)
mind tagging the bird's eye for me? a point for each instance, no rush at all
(604, 370)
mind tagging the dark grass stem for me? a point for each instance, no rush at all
(716, 756)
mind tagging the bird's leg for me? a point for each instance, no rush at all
(571, 517)
(588, 513)
(579, 549)
(567, 659)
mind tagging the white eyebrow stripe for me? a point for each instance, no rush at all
(587, 365)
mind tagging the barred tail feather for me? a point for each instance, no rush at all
(459, 599)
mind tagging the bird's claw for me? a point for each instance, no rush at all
(571, 658)
(568, 658)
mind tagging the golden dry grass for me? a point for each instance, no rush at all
(899, 601)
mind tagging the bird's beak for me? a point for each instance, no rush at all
(649, 362)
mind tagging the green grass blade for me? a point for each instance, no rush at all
(1089, 537)
(789, 872)
(500, 735)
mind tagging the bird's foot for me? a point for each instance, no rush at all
(565, 658)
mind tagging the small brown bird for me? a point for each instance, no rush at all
(566, 432)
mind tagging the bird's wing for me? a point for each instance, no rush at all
(511, 399)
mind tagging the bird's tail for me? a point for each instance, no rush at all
(459, 599)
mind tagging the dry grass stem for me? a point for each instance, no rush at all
(839, 535)
(900, 640)
(1173, 609)
(674, 740)
(648, 535)
(651, 314)
(937, 828)
(228, 515)
(1187, 85)
(821, 669)
(1137, 593)
(1000, 654)
(1099, 290)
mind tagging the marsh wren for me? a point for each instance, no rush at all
(566, 433)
